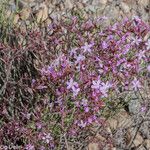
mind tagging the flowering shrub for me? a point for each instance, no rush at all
(81, 72)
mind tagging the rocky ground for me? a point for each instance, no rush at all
(130, 129)
(46, 10)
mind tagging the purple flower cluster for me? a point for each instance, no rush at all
(95, 65)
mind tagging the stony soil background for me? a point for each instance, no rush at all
(124, 126)
(47, 10)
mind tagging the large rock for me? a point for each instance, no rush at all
(138, 140)
(16, 19)
(134, 106)
(125, 7)
(69, 4)
(25, 13)
(147, 143)
(99, 2)
(144, 3)
(93, 146)
(42, 13)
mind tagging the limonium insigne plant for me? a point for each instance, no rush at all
(82, 69)
(89, 66)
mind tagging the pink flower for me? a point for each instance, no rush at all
(82, 124)
(74, 86)
(136, 18)
(110, 37)
(79, 59)
(77, 104)
(100, 71)
(79, 67)
(96, 84)
(87, 47)
(75, 91)
(136, 84)
(42, 148)
(29, 147)
(136, 40)
(90, 120)
(71, 84)
(87, 25)
(44, 71)
(141, 55)
(148, 44)
(73, 52)
(126, 49)
(86, 109)
(143, 108)
(84, 102)
(33, 81)
(104, 88)
(114, 27)
(99, 62)
(104, 45)
(47, 138)
(148, 68)
(101, 86)
(39, 125)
